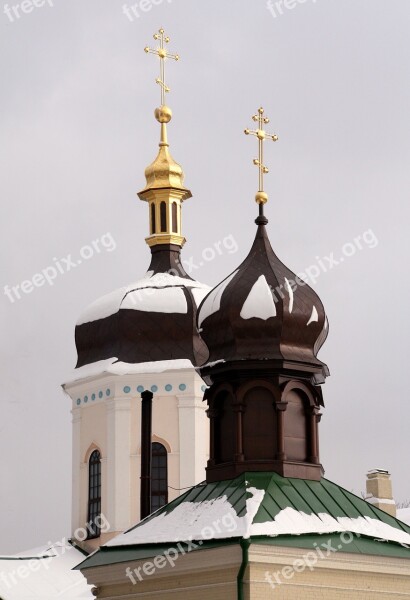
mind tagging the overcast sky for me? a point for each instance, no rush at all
(78, 95)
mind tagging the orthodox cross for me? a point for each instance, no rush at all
(162, 54)
(261, 197)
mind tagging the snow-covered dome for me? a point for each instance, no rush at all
(153, 319)
(262, 311)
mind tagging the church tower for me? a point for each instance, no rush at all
(140, 337)
(263, 327)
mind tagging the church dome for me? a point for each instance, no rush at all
(263, 311)
(151, 320)
(154, 319)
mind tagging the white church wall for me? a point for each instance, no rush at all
(106, 413)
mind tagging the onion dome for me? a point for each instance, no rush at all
(153, 319)
(264, 311)
(263, 327)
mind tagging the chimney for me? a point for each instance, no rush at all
(379, 491)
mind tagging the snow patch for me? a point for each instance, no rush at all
(212, 302)
(314, 317)
(290, 292)
(48, 575)
(111, 303)
(192, 521)
(199, 294)
(162, 300)
(195, 521)
(374, 500)
(112, 366)
(259, 303)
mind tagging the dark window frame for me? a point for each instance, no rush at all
(174, 217)
(163, 216)
(159, 476)
(153, 219)
(94, 495)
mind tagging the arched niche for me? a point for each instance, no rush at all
(224, 426)
(297, 425)
(259, 423)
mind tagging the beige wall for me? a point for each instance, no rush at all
(211, 575)
(112, 424)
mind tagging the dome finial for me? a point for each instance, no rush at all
(164, 190)
(162, 54)
(261, 196)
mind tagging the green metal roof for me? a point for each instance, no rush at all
(305, 496)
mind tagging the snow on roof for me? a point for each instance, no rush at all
(404, 515)
(375, 500)
(212, 303)
(210, 519)
(44, 574)
(195, 521)
(110, 303)
(112, 366)
(259, 303)
(162, 300)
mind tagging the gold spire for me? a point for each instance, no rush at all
(164, 190)
(261, 196)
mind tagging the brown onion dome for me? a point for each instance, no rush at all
(263, 311)
(151, 320)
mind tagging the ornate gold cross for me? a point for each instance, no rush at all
(163, 54)
(261, 197)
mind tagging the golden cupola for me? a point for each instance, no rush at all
(164, 190)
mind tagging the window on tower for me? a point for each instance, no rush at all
(174, 217)
(159, 481)
(153, 223)
(94, 495)
(163, 215)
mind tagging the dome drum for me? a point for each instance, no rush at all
(264, 423)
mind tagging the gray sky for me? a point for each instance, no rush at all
(77, 132)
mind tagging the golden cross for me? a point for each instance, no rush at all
(163, 54)
(260, 133)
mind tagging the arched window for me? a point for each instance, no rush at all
(94, 495)
(174, 217)
(153, 223)
(159, 476)
(163, 215)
